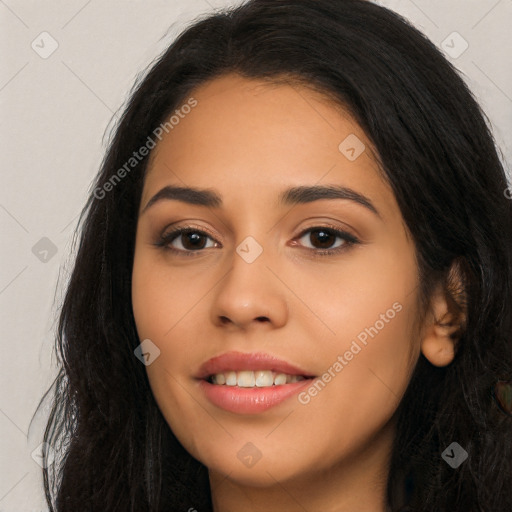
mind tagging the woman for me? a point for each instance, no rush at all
(293, 284)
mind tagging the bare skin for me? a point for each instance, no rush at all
(249, 141)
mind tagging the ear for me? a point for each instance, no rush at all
(446, 319)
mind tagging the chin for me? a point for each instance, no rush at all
(247, 465)
(262, 474)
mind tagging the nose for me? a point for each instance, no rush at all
(250, 295)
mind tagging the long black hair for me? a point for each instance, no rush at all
(115, 450)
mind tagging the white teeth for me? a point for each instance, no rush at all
(245, 379)
(221, 378)
(230, 378)
(250, 379)
(264, 379)
(280, 379)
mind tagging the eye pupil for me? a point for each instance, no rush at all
(192, 237)
(324, 237)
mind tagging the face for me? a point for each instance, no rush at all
(321, 283)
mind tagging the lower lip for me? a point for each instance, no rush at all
(250, 400)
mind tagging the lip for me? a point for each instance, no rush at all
(255, 400)
(250, 400)
(239, 361)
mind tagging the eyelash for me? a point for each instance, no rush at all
(167, 238)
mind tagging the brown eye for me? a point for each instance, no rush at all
(191, 240)
(185, 240)
(323, 238)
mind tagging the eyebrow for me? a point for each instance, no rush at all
(291, 196)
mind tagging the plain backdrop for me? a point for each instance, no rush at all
(66, 70)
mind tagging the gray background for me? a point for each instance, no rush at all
(55, 112)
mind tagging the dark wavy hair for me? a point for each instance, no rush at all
(435, 148)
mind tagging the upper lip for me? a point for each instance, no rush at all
(239, 361)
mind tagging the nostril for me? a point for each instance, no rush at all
(225, 320)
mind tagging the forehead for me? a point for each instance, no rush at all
(254, 136)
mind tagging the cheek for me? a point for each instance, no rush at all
(361, 387)
(164, 304)
(372, 347)
(142, 293)
(374, 297)
(162, 297)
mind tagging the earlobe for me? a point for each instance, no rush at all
(439, 343)
(446, 321)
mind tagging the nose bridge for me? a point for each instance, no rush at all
(249, 292)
